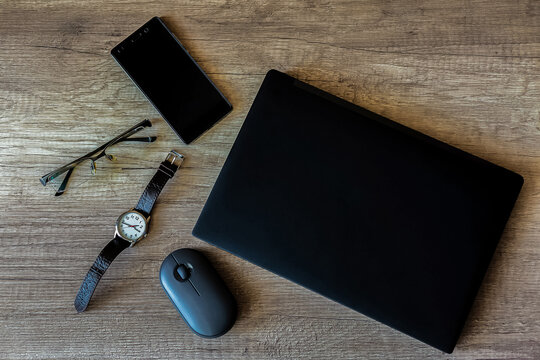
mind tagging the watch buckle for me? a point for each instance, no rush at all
(173, 155)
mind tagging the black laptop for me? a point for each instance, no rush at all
(367, 212)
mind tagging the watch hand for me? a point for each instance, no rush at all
(133, 226)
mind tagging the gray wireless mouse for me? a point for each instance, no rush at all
(198, 293)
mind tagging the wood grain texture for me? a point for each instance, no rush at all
(466, 72)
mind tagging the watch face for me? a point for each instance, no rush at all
(131, 226)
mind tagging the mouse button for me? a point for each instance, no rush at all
(185, 256)
(211, 287)
(203, 271)
(167, 268)
(183, 272)
(204, 280)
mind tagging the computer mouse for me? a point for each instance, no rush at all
(199, 294)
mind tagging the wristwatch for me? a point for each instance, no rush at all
(131, 227)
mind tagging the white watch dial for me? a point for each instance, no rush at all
(131, 226)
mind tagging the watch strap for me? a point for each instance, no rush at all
(104, 259)
(166, 170)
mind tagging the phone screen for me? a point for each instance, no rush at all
(173, 82)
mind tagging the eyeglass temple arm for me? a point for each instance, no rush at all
(141, 139)
(62, 187)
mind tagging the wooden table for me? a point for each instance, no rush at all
(466, 72)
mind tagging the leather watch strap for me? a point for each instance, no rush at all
(104, 259)
(148, 198)
(166, 171)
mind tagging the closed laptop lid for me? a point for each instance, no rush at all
(369, 213)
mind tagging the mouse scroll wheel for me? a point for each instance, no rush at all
(182, 271)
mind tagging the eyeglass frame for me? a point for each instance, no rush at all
(96, 154)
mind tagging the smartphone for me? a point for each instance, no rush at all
(171, 80)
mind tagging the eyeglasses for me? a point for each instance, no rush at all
(96, 154)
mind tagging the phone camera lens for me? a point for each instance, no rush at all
(146, 30)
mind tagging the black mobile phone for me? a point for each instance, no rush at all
(171, 80)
